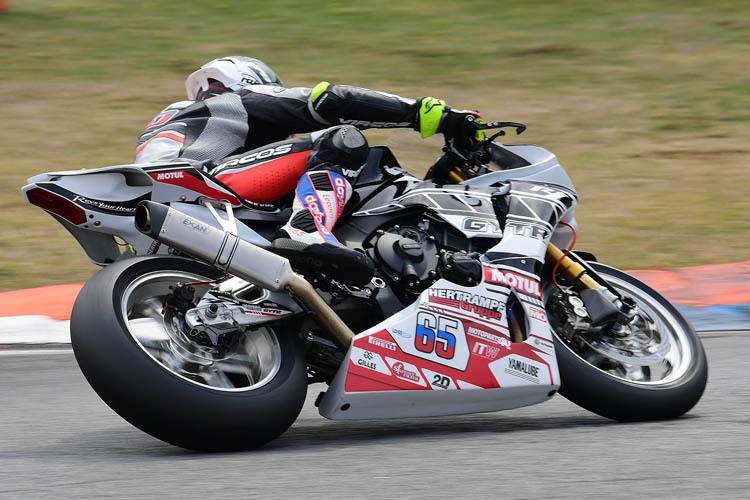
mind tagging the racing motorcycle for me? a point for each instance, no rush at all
(205, 332)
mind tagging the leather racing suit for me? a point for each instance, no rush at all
(247, 135)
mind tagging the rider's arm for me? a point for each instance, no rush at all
(342, 104)
(295, 110)
(364, 108)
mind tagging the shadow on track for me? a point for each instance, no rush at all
(309, 434)
(312, 433)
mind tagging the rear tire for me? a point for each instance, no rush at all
(162, 402)
(614, 396)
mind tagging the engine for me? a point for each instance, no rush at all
(407, 256)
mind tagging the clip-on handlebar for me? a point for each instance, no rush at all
(456, 164)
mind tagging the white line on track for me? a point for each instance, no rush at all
(34, 352)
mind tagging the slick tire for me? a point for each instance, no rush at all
(159, 401)
(627, 400)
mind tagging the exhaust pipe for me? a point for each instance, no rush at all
(241, 258)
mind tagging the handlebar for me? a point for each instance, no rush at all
(459, 164)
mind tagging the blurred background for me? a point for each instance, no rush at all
(645, 103)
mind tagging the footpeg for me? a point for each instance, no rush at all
(342, 264)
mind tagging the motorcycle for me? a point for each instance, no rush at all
(204, 333)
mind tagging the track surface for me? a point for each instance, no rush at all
(58, 440)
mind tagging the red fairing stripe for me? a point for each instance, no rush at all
(194, 184)
(361, 379)
(360, 383)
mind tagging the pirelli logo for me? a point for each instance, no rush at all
(385, 344)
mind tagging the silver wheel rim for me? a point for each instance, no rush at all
(251, 365)
(663, 360)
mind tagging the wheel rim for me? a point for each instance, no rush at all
(655, 349)
(249, 366)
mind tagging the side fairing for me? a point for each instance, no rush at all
(448, 353)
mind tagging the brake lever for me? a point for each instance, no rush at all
(520, 127)
(495, 136)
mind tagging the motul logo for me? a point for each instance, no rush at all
(170, 175)
(513, 280)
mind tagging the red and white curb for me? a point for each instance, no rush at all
(34, 330)
(37, 315)
(712, 298)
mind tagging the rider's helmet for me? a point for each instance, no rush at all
(228, 74)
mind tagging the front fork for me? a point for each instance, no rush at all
(572, 270)
(603, 302)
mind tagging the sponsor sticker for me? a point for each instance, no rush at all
(369, 360)
(406, 371)
(515, 370)
(104, 205)
(439, 380)
(523, 368)
(162, 176)
(484, 307)
(514, 280)
(481, 334)
(485, 350)
(537, 314)
(385, 344)
(401, 333)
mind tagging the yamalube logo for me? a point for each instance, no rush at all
(163, 176)
(515, 370)
(523, 368)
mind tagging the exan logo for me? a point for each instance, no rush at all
(194, 225)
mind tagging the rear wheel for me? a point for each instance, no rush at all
(242, 392)
(651, 367)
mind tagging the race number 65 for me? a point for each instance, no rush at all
(436, 334)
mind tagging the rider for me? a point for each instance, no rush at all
(242, 118)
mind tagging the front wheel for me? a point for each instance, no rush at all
(136, 354)
(649, 368)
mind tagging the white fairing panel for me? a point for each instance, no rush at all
(544, 167)
(449, 353)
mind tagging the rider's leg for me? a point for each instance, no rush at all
(318, 165)
(324, 190)
(268, 173)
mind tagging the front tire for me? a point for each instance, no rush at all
(658, 379)
(178, 398)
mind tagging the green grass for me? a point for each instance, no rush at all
(646, 103)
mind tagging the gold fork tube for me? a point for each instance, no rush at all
(573, 271)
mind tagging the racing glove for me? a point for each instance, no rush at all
(434, 116)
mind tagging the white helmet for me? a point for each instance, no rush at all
(230, 73)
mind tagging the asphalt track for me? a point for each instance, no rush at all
(58, 440)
